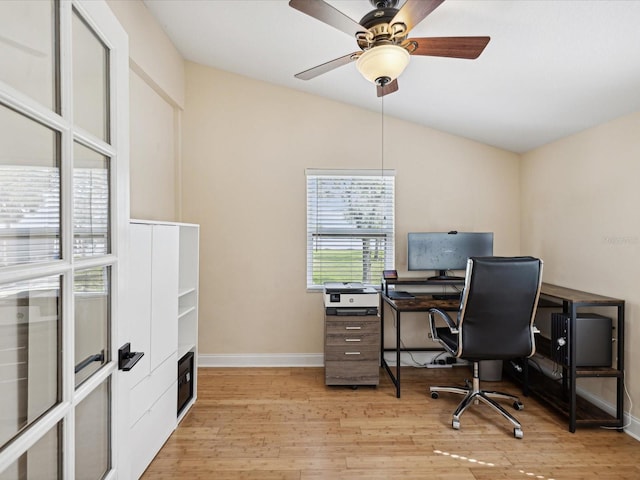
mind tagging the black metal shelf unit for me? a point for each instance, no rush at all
(561, 394)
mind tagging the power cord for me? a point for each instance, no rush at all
(624, 385)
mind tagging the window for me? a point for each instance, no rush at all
(350, 225)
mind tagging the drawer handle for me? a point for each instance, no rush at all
(352, 353)
(354, 328)
(351, 339)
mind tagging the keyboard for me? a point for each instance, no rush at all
(396, 295)
(446, 296)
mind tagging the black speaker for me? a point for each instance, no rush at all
(593, 340)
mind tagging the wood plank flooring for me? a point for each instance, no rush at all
(285, 424)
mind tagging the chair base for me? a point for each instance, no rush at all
(473, 394)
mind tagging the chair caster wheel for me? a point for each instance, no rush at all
(455, 424)
(517, 432)
(518, 405)
(434, 395)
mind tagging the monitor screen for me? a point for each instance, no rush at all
(443, 251)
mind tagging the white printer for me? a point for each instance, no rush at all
(350, 298)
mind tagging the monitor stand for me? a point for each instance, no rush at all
(442, 275)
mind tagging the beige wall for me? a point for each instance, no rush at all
(246, 147)
(247, 143)
(156, 98)
(154, 154)
(150, 49)
(580, 198)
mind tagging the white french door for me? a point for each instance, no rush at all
(63, 226)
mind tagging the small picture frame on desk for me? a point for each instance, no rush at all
(390, 274)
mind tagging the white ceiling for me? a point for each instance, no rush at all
(551, 69)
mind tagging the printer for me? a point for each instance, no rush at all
(350, 298)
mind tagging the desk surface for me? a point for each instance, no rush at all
(421, 303)
(576, 296)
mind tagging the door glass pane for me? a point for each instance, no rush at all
(91, 297)
(29, 352)
(43, 461)
(93, 439)
(90, 80)
(28, 49)
(90, 202)
(29, 190)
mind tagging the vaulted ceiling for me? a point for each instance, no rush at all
(551, 69)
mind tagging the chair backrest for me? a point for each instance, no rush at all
(498, 307)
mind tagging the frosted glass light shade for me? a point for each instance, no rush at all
(383, 61)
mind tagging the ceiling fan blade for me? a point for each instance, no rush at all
(388, 88)
(328, 66)
(456, 47)
(414, 11)
(328, 14)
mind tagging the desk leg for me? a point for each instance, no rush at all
(381, 331)
(398, 355)
(395, 378)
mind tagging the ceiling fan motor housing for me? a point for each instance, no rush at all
(380, 32)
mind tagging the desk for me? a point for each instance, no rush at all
(563, 397)
(421, 303)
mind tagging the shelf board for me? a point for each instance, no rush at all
(422, 281)
(186, 291)
(186, 348)
(550, 391)
(543, 346)
(185, 311)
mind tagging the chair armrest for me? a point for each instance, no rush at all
(453, 328)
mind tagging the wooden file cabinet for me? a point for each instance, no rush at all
(352, 350)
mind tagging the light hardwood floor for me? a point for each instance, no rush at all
(284, 423)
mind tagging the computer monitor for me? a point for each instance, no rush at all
(442, 251)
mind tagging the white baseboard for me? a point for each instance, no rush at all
(300, 359)
(261, 360)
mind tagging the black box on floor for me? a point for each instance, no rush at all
(185, 380)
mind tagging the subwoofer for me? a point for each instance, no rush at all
(593, 340)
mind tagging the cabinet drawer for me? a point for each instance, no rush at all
(151, 431)
(353, 340)
(351, 373)
(352, 353)
(145, 393)
(357, 325)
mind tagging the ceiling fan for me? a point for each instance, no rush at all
(382, 37)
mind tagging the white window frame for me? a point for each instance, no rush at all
(332, 224)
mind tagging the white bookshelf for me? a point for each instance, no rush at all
(188, 300)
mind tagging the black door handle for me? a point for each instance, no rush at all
(99, 357)
(126, 358)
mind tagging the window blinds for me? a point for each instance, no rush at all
(350, 226)
(30, 213)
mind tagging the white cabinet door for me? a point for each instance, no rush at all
(164, 293)
(152, 310)
(138, 299)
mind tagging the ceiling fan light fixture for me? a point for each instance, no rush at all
(383, 61)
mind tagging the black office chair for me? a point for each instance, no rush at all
(495, 322)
